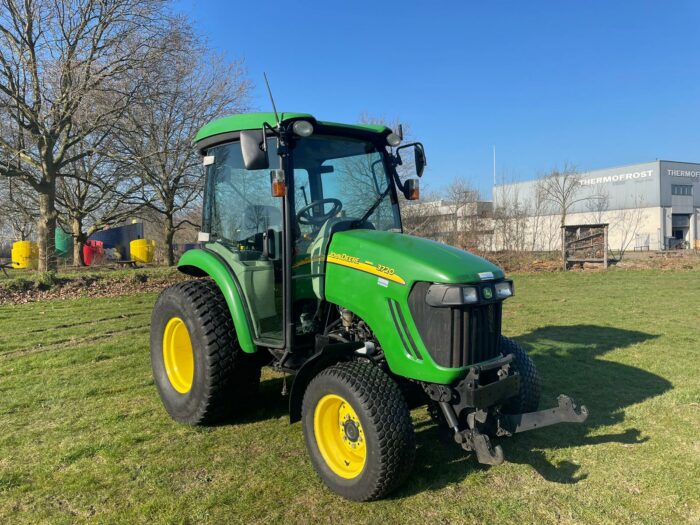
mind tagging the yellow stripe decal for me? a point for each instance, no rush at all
(367, 268)
(302, 262)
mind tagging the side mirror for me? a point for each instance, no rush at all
(411, 190)
(419, 154)
(253, 151)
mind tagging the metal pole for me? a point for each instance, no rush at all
(605, 248)
(494, 165)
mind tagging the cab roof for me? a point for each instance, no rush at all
(245, 121)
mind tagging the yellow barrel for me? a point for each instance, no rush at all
(142, 250)
(25, 254)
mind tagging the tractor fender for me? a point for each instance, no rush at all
(328, 356)
(204, 263)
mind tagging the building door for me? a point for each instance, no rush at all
(680, 227)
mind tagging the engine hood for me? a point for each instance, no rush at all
(407, 258)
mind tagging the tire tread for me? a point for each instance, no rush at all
(230, 373)
(382, 400)
(528, 398)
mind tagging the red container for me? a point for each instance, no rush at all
(93, 252)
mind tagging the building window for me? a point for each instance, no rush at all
(681, 189)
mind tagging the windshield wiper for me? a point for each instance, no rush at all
(371, 209)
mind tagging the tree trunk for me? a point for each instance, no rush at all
(46, 227)
(169, 234)
(79, 239)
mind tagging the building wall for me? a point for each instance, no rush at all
(627, 229)
(464, 225)
(680, 173)
(623, 187)
(635, 200)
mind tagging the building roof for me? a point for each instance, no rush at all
(245, 121)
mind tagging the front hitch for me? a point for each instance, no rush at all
(471, 409)
(566, 412)
(483, 422)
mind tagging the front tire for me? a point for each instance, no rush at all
(528, 397)
(201, 373)
(358, 430)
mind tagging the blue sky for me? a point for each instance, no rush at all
(593, 84)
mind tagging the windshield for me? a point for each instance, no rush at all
(342, 178)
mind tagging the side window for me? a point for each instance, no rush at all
(241, 205)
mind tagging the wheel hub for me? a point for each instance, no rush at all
(352, 431)
(178, 356)
(339, 436)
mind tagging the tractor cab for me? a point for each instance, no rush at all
(276, 195)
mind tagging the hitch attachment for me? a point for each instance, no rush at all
(486, 453)
(471, 439)
(564, 413)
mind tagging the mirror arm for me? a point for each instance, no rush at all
(266, 127)
(397, 180)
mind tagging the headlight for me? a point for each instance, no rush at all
(504, 289)
(393, 140)
(470, 295)
(303, 128)
(444, 295)
(451, 295)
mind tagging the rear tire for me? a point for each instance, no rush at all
(358, 430)
(528, 397)
(201, 373)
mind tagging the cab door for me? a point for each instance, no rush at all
(245, 225)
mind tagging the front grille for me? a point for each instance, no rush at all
(456, 336)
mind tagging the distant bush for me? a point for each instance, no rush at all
(18, 284)
(139, 277)
(46, 280)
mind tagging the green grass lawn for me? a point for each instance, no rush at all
(84, 438)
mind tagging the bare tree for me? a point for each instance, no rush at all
(598, 204)
(510, 216)
(189, 87)
(17, 210)
(100, 194)
(539, 210)
(462, 220)
(551, 232)
(67, 70)
(627, 223)
(562, 189)
(423, 218)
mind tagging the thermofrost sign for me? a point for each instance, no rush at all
(606, 179)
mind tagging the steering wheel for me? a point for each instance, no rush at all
(304, 216)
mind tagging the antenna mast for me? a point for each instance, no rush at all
(494, 165)
(269, 92)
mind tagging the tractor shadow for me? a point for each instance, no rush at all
(569, 361)
(268, 403)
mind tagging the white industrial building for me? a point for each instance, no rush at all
(649, 206)
(466, 223)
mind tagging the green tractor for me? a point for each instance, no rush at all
(304, 268)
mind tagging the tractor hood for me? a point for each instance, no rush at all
(406, 259)
(373, 274)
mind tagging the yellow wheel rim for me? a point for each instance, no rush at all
(339, 436)
(178, 355)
